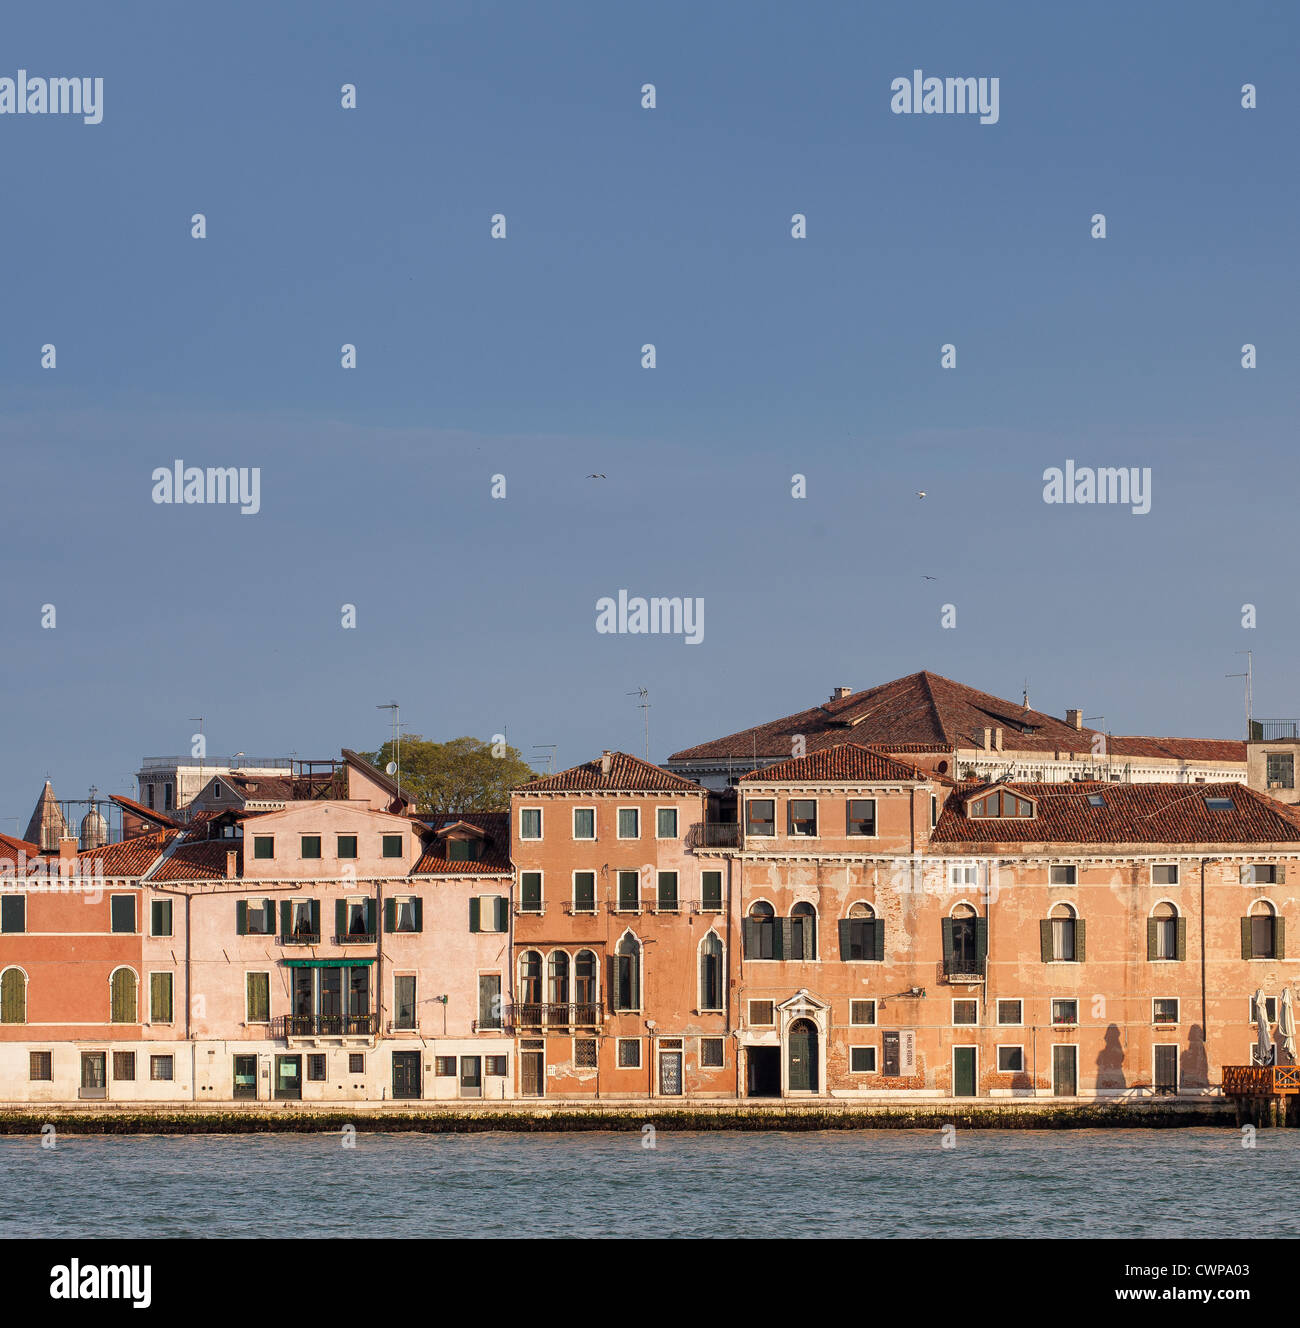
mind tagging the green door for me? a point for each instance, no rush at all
(802, 1072)
(963, 1072)
(1065, 1071)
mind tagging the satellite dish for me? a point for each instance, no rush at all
(391, 768)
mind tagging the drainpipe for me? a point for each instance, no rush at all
(1205, 1032)
(189, 1005)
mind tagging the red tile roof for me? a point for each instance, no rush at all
(496, 847)
(1198, 750)
(1133, 814)
(10, 848)
(128, 857)
(626, 774)
(143, 812)
(201, 861)
(848, 761)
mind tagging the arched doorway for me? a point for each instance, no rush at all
(801, 1058)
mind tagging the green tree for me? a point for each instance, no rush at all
(463, 775)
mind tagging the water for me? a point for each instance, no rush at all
(1127, 1183)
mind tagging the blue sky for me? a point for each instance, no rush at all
(522, 356)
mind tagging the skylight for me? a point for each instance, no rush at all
(1220, 805)
(1096, 800)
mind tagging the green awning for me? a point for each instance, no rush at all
(327, 963)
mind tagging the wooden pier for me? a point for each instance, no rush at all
(1265, 1095)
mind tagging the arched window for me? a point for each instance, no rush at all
(1000, 802)
(530, 978)
(762, 932)
(123, 988)
(711, 973)
(861, 934)
(1163, 933)
(1064, 925)
(626, 984)
(803, 932)
(584, 982)
(1262, 933)
(13, 996)
(557, 978)
(964, 942)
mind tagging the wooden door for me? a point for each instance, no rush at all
(1166, 1067)
(406, 1074)
(963, 1071)
(1065, 1071)
(801, 1075)
(531, 1073)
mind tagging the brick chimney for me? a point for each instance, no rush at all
(1074, 718)
(232, 863)
(606, 762)
(67, 848)
(839, 693)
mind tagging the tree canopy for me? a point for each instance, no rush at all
(463, 775)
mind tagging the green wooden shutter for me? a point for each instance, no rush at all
(846, 941)
(160, 997)
(474, 919)
(371, 929)
(13, 998)
(948, 947)
(981, 939)
(749, 931)
(419, 913)
(340, 917)
(785, 943)
(1180, 939)
(1080, 940)
(268, 921)
(390, 915)
(501, 908)
(878, 937)
(1279, 938)
(1151, 938)
(315, 917)
(778, 937)
(1247, 951)
(1045, 940)
(241, 917)
(286, 919)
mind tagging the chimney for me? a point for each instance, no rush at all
(1074, 718)
(839, 693)
(67, 848)
(988, 740)
(232, 861)
(606, 762)
(997, 739)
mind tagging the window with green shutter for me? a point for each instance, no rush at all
(347, 846)
(160, 997)
(530, 892)
(258, 997)
(13, 996)
(489, 1000)
(475, 913)
(501, 908)
(584, 892)
(666, 823)
(392, 846)
(310, 846)
(666, 892)
(264, 846)
(123, 990)
(122, 913)
(629, 823)
(160, 922)
(404, 1001)
(13, 913)
(629, 891)
(711, 891)
(584, 823)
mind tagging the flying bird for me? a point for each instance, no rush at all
(928, 578)
(920, 493)
(595, 477)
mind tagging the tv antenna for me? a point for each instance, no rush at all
(549, 749)
(394, 767)
(644, 705)
(1250, 684)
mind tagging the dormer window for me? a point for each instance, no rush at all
(1000, 802)
(216, 791)
(462, 850)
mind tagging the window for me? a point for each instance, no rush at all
(760, 817)
(965, 1012)
(123, 993)
(530, 823)
(803, 817)
(1011, 1012)
(1164, 1010)
(530, 979)
(530, 892)
(584, 823)
(1065, 1012)
(356, 1062)
(316, 1068)
(392, 846)
(254, 917)
(1000, 802)
(627, 974)
(1164, 873)
(347, 846)
(1262, 935)
(1063, 875)
(13, 913)
(160, 997)
(762, 1014)
(934, 809)
(257, 998)
(629, 1053)
(13, 996)
(404, 1001)
(584, 1053)
(167, 797)
(1061, 935)
(160, 917)
(1011, 1060)
(965, 942)
(148, 795)
(584, 980)
(862, 816)
(762, 933)
(161, 1067)
(963, 873)
(40, 1066)
(124, 1066)
(711, 973)
(1270, 1010)
(310, 846)
(489, 999)
(862, 934)
(666, 892)
(629, 823)
(444, 1066)
(711, 891)
(862, 1060)
(712, 1054)
(494, 1067)
(803, 932)
(264, 846)
(463, 850)
(1096, 799)
(1280, 772)
(405, 914)
(1166, 933)
(584, 892)
(1220, 805)
(629, 891)
(666, 823)
(1261, 873)
(122, 913)
(862, 1012)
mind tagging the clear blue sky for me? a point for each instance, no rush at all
(521, 356)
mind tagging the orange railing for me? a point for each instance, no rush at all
(1260, 1080)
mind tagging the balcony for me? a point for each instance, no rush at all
(1274, 730)
(960, 969)
(535, 1015)
(357, 938)
(716, 834)
(1260, 1080)
(324, 1025)
(301, 938)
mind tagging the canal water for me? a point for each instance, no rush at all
(1000, 1183)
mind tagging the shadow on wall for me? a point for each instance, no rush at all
(1195, 1069)
(1110, 1061)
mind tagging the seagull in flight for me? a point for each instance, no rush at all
(595, 477)
(920, 493)
(928, 578)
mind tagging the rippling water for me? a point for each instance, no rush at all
(839, 1183)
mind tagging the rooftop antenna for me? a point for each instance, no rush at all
(395, 767)
(644, 705)
(1026, 693)
(549, 749)
(1250, 681)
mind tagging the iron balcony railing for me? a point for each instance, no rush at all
(958, 969)
(357, 938)
(325, 1025)
(717, 834)
(301, 938)
(549, 1014)
(1274, 730)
